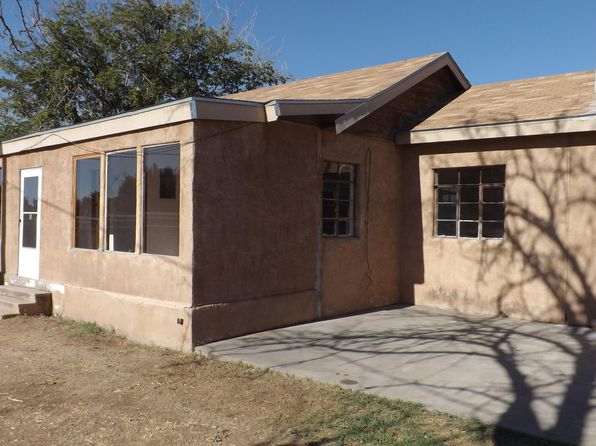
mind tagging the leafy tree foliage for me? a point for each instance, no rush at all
(85, 63)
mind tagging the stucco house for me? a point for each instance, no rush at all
(202, 219)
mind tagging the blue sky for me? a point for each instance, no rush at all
(491, 40)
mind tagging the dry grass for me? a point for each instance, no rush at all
(64, 383)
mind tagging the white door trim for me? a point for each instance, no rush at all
(29, 255)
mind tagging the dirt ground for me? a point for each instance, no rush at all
(63, 383)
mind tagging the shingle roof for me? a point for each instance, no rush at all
(355, 84)
(549, 97)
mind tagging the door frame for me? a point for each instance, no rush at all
(29, 258)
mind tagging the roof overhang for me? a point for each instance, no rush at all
(171, 113)
(283, 108)
(574, 124)
(378, 100)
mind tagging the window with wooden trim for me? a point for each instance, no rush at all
(86, 224)
(470, 202)
(121, 200)
(161, 197)
(338, 200)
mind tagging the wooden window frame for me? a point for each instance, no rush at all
(458, 201)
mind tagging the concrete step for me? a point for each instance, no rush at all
(18, 300)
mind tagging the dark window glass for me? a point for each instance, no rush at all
(29, 230)
(468, 229)
(446, 228)
(468, 212)
(469, 201)
(87, 203)
(162, 200)
(121, 216)
(338, 200)
(469, 194)
(493, 195)
(30, 191)
(492, 229)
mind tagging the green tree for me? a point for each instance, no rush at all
(84, 63)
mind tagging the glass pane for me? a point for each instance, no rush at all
(329, 208)
(446, 211)
(448, 194)
(468, 212)
(494, 174)
(493, 211)
(492, 194)
(121, 201)
(344, 209)
(30, 230)
(30, 191)
(446, 228)
(345, 191)
(447, 176)
(493, 229)
(328, 227)
(346, 172)
(87, 204)
(468, 229)
(329, 190)
(469, 176)
(469, 194)
(162, 200)
(343, 227)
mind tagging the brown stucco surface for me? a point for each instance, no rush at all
(129, 291)
(261, 261)
(543, 268)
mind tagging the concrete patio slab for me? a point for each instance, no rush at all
(532, 377)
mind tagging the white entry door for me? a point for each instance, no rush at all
(30, 219)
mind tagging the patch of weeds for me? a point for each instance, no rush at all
(502, 314)
(86, 330)
(220, 436)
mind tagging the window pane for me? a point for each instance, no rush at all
(469, 194)
(328, 227)
(343, 227)
(493, 229)
(329, 190)
(87, 203)
(30, 191)
(447, 194)
(446, 211)
(29, 230)
(469, 176)
(162, 210)
(344, 209)
(468, 212)
(329, 208)
(468, 229)
(121, 201)
(446, 228)
(447, 176)
(492, 194)
(345, 191)
(493, 212)
(346, 172)
(494, 174)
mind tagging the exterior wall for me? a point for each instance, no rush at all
(543, 269)
(261, 261)
(140, 295)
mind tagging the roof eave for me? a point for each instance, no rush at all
(378, 100)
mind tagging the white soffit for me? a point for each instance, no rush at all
(505, 130)
(378, 100)
(308, 107)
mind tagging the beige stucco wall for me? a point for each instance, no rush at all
(140, 295)
(543, 269)
(261, 261)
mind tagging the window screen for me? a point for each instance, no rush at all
(470, 202)
(121, 186)
(161, 215)
(338, 200)
(87, 203)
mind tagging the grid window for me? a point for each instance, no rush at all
(470, 202)
(338, 200)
